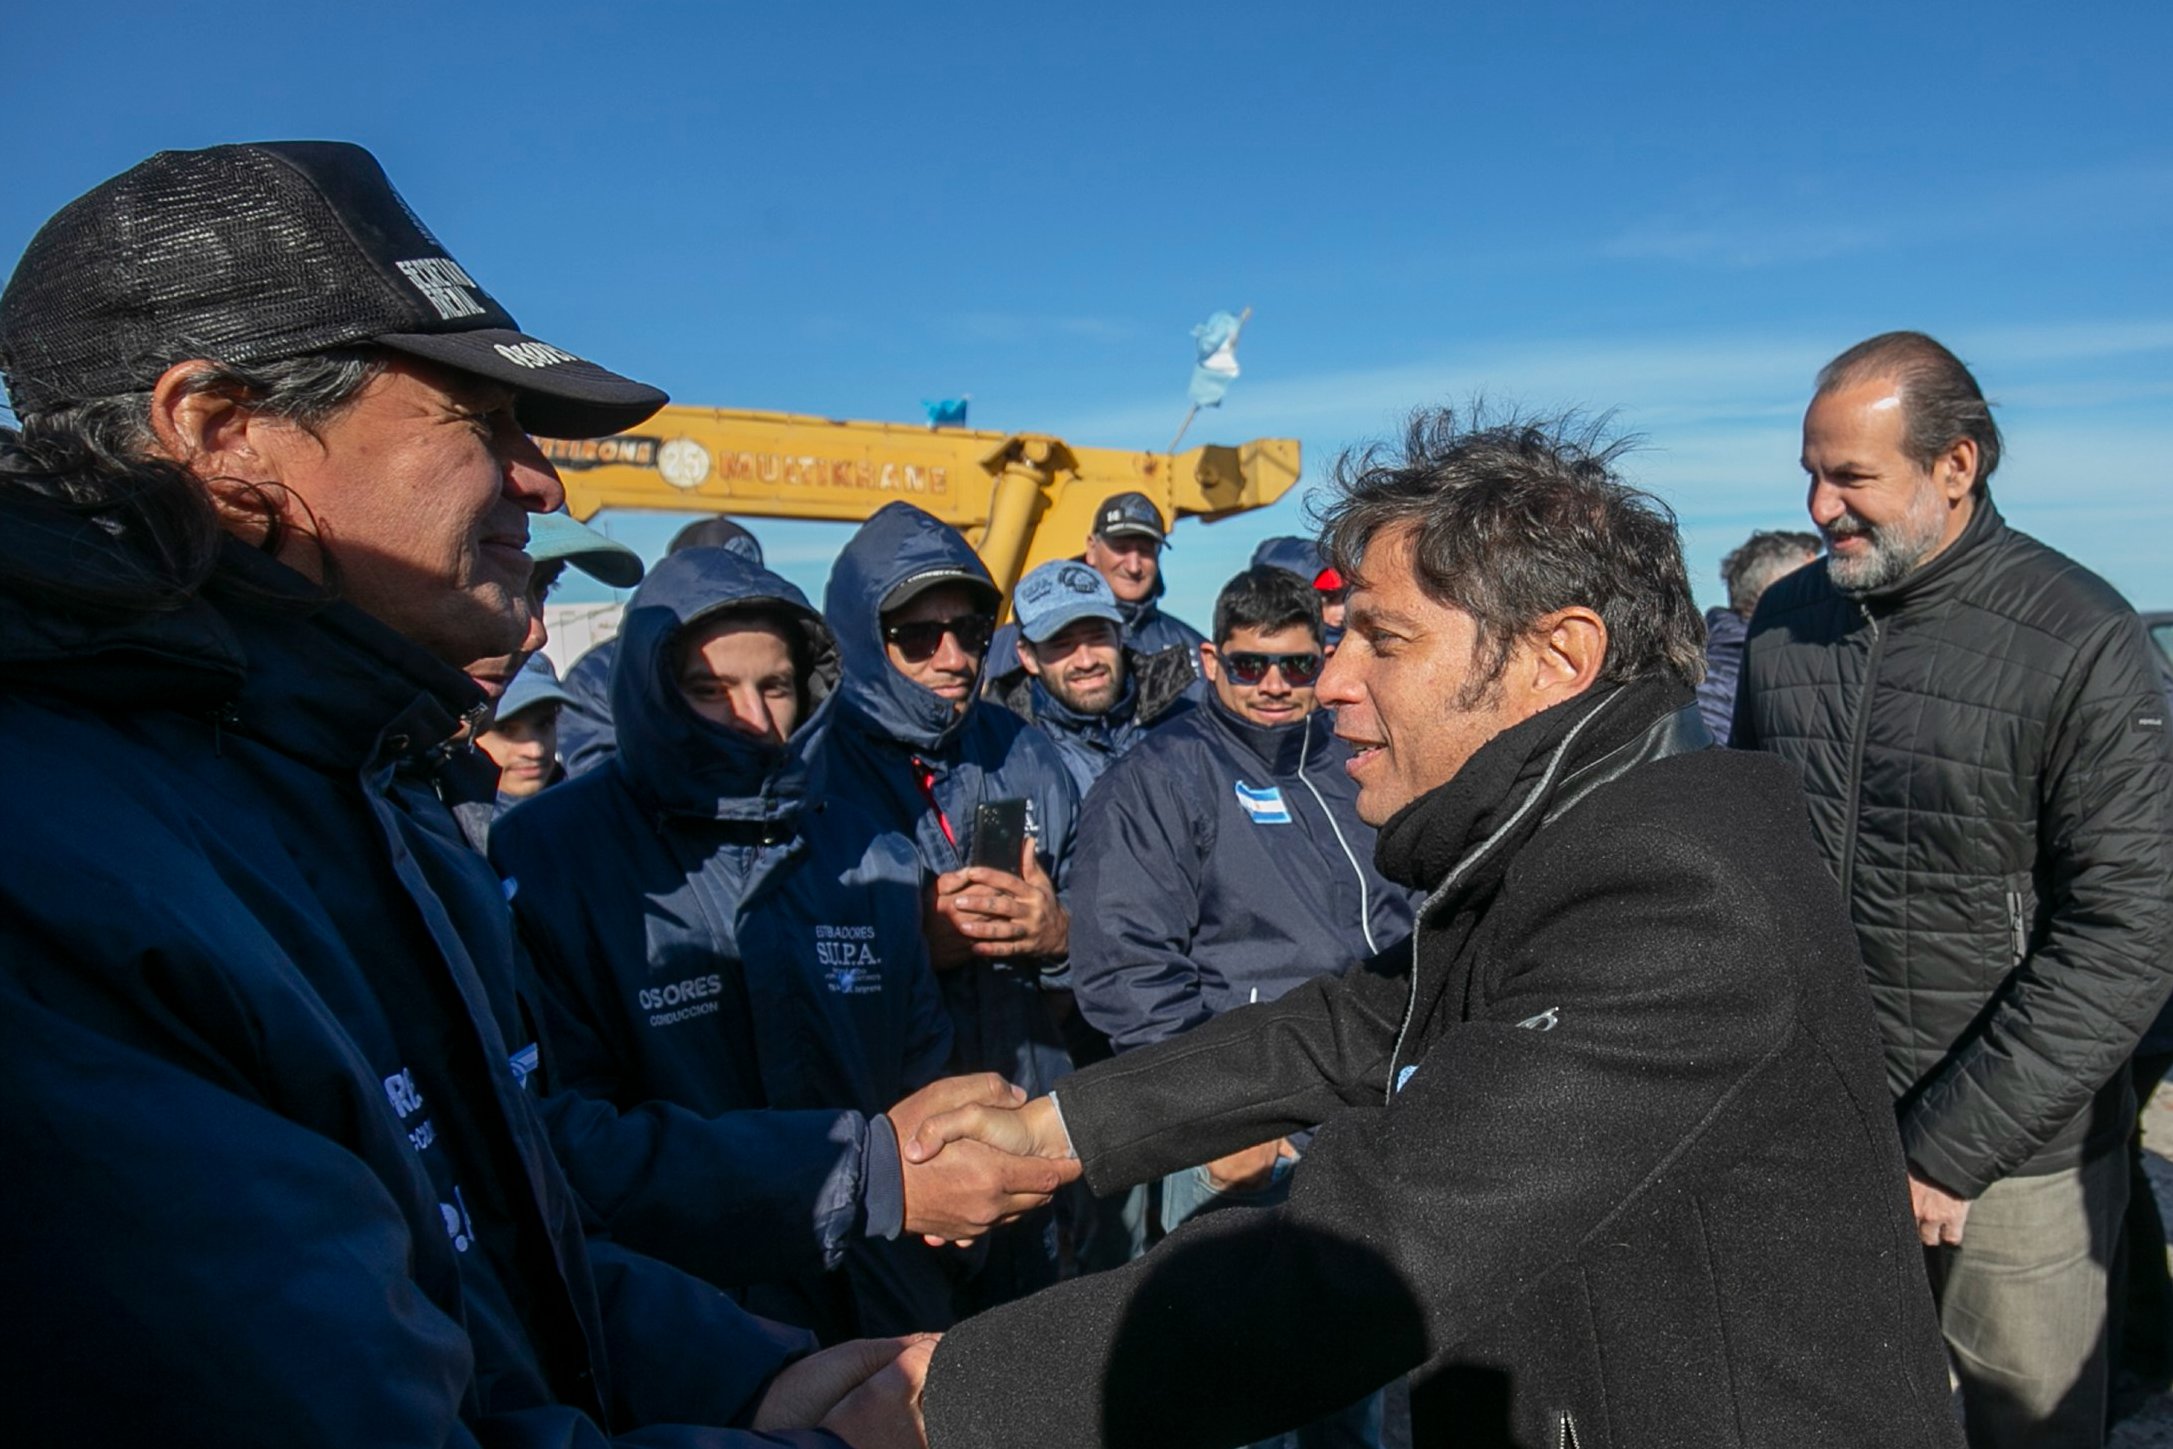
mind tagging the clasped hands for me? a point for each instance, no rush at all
(976, 1153)
(993, 914)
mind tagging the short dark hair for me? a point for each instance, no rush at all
(1268, 600)
(1768, 554)
(1941, 402)
(1514, 517)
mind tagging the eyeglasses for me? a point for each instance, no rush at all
(919, 640)
(1299, 670)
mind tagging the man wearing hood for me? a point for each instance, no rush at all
(912, 607)
(1605, 1157)
(586, 738)
(1092, 694)
(729, 972)
(276, 1173)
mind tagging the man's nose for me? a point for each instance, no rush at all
(951, 656)
(529, 476)
(1825, 503)
(1338, 681)
(750, 711)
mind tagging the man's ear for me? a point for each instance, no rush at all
(1955, 470)
(1210, 663)
(1568, 650)
(1027, 661)
(206, 432)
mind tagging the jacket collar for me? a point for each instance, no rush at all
(1282, 749)
(1959, 563)
(1047, 709)
(1465, 832)
(328, 684)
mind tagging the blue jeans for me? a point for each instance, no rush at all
(1187, 1194)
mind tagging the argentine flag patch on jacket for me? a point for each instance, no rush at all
(1265, 807)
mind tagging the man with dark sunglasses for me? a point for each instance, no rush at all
(912, 607)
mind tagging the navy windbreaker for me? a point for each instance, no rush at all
(710, 942)
(1231, 861)
(274, 1176)
(901, 749)
(585, 735)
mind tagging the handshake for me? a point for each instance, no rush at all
(975, 1153)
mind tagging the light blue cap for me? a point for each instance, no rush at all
(1058, 593)
(537, 683)
(553, 536)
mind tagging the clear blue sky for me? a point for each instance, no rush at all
(843, 209)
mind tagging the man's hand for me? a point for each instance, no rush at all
(1004, 914)
(1249, 1169)
(947, 949)
(1939, 1213)
(805, 1393)
(885, 1412)
(1033, 1130)
(972, 1188)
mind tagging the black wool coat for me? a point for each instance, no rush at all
(1607, 1159)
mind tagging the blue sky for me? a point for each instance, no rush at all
(843, 209)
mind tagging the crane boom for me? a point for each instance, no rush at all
(1020, 498)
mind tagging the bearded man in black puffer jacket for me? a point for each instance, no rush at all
(1605, 1157)
(1979, 730)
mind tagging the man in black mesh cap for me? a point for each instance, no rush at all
(274, 1173)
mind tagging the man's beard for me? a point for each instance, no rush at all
(1894, 549)
(1096, 697)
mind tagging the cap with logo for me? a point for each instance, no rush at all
(1133, 513)
(718, 533)
(905, 591)
(536, 684)
(553, 536)
(254, 253)
(1060, 593)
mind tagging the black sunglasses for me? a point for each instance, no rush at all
(1299, 670)
(919, 640)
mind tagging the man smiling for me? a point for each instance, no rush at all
(1603, 1156)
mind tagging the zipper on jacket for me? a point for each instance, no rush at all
(1365, 902)
(1565, 1430)
(1858, 734)
(2018, 930)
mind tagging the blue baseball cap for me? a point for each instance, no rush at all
(554, 536)
(537, 683)
(1060, 593)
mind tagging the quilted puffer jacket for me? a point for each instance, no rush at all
(1991, 778)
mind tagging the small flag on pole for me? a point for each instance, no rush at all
(1217, 368)
(950, 412)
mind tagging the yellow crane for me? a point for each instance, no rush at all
(1020, 498)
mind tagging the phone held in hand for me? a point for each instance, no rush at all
(999, 834)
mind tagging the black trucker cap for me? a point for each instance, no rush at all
(254, 253)
(1133, 513)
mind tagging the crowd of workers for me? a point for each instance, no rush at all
(1390, 1016)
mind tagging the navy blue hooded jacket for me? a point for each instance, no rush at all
(902, 750)
(708, 939)
(274, 1176)
(1219, 859)
(586, 737)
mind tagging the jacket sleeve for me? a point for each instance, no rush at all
(1143, 857)
(1239, 1078)
(737, 1198)
(1409, 1226)
(202, 1269)
(2087, 990)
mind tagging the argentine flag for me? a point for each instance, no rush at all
(1217, 367)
